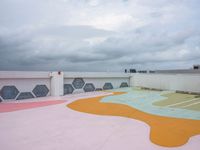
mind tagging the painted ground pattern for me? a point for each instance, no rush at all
(158, 102)
(181, 101)
(9, 107)
(126, 118)
(170, 127)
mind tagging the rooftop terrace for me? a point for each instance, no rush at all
(69, 110)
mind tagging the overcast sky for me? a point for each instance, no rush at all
(99, 35)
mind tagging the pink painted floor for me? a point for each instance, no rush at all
(56, 127)
(9, 107)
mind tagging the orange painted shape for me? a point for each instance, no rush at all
(165, 131)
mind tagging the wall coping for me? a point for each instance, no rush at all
(96, 75)
(24, 74)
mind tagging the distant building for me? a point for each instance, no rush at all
(185, 71)
(196, 67)
(130, 71)
(194, 70)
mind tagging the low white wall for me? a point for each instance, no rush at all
(97, 79)
(181, 82)
(14, 83)
(22, 85)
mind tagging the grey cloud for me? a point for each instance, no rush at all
(33, 42)
(128, 50)
(30, 50)
(74, 31)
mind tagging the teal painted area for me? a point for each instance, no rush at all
(143, 100)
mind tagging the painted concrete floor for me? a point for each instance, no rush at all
(57, 127)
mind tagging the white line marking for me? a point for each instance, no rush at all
(182, 102)
(190, 105)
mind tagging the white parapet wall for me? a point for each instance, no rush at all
(175, 82)
(17, 85)
(76, 82)
(23, 85)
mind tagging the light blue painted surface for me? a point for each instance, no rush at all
(143, 101)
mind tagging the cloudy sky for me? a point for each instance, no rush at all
(99, 35)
